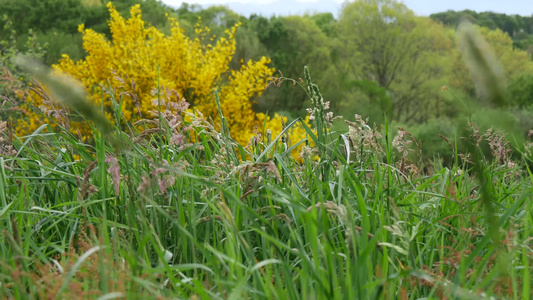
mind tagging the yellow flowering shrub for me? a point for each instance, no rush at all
(139, 58)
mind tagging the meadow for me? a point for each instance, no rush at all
(119, 188)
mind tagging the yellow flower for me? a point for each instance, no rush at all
(138, 57)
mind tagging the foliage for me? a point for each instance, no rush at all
(386, 43)
(58, 43)
(326, 22)
(292, 42)
(55, 22)
(521, 90)
(508, 23)
(64, 15)
(8, 44)
(372, 99)
(436, 136)
(139, 58)
(516, 26)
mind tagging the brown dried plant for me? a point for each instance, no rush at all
(500, 149)
(364, 141)
(49, 107)
(6, 142)
(13, 89)
(162, 175)
(402, 143)
(251, 175)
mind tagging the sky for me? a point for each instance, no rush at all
(420, 7)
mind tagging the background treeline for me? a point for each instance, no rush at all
(53, 24)
(377, 59)
(519, 28)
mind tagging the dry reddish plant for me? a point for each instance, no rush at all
(251, 175)
(363, 139)
(49, 107)
(402, 143)
(278, 80)
(6, 143)
(13, 88)
(162, 175)
(499, 146)
(86, 189)
(114, 170)
(475, 135)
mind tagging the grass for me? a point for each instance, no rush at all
(179, 210)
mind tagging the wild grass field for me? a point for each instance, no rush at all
(97, 203)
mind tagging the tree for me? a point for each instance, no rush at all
(386, 43)
(55, 22)
(326, 22)
(292, 42)
(65, 15)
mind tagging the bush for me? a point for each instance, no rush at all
(140, 58)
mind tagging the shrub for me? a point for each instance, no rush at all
(140, 58)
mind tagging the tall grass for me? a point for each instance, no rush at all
(176, 209)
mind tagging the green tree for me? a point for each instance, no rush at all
(64, 15)
(55, 22)
(405, 54)
(326, 22)
(292, 43)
